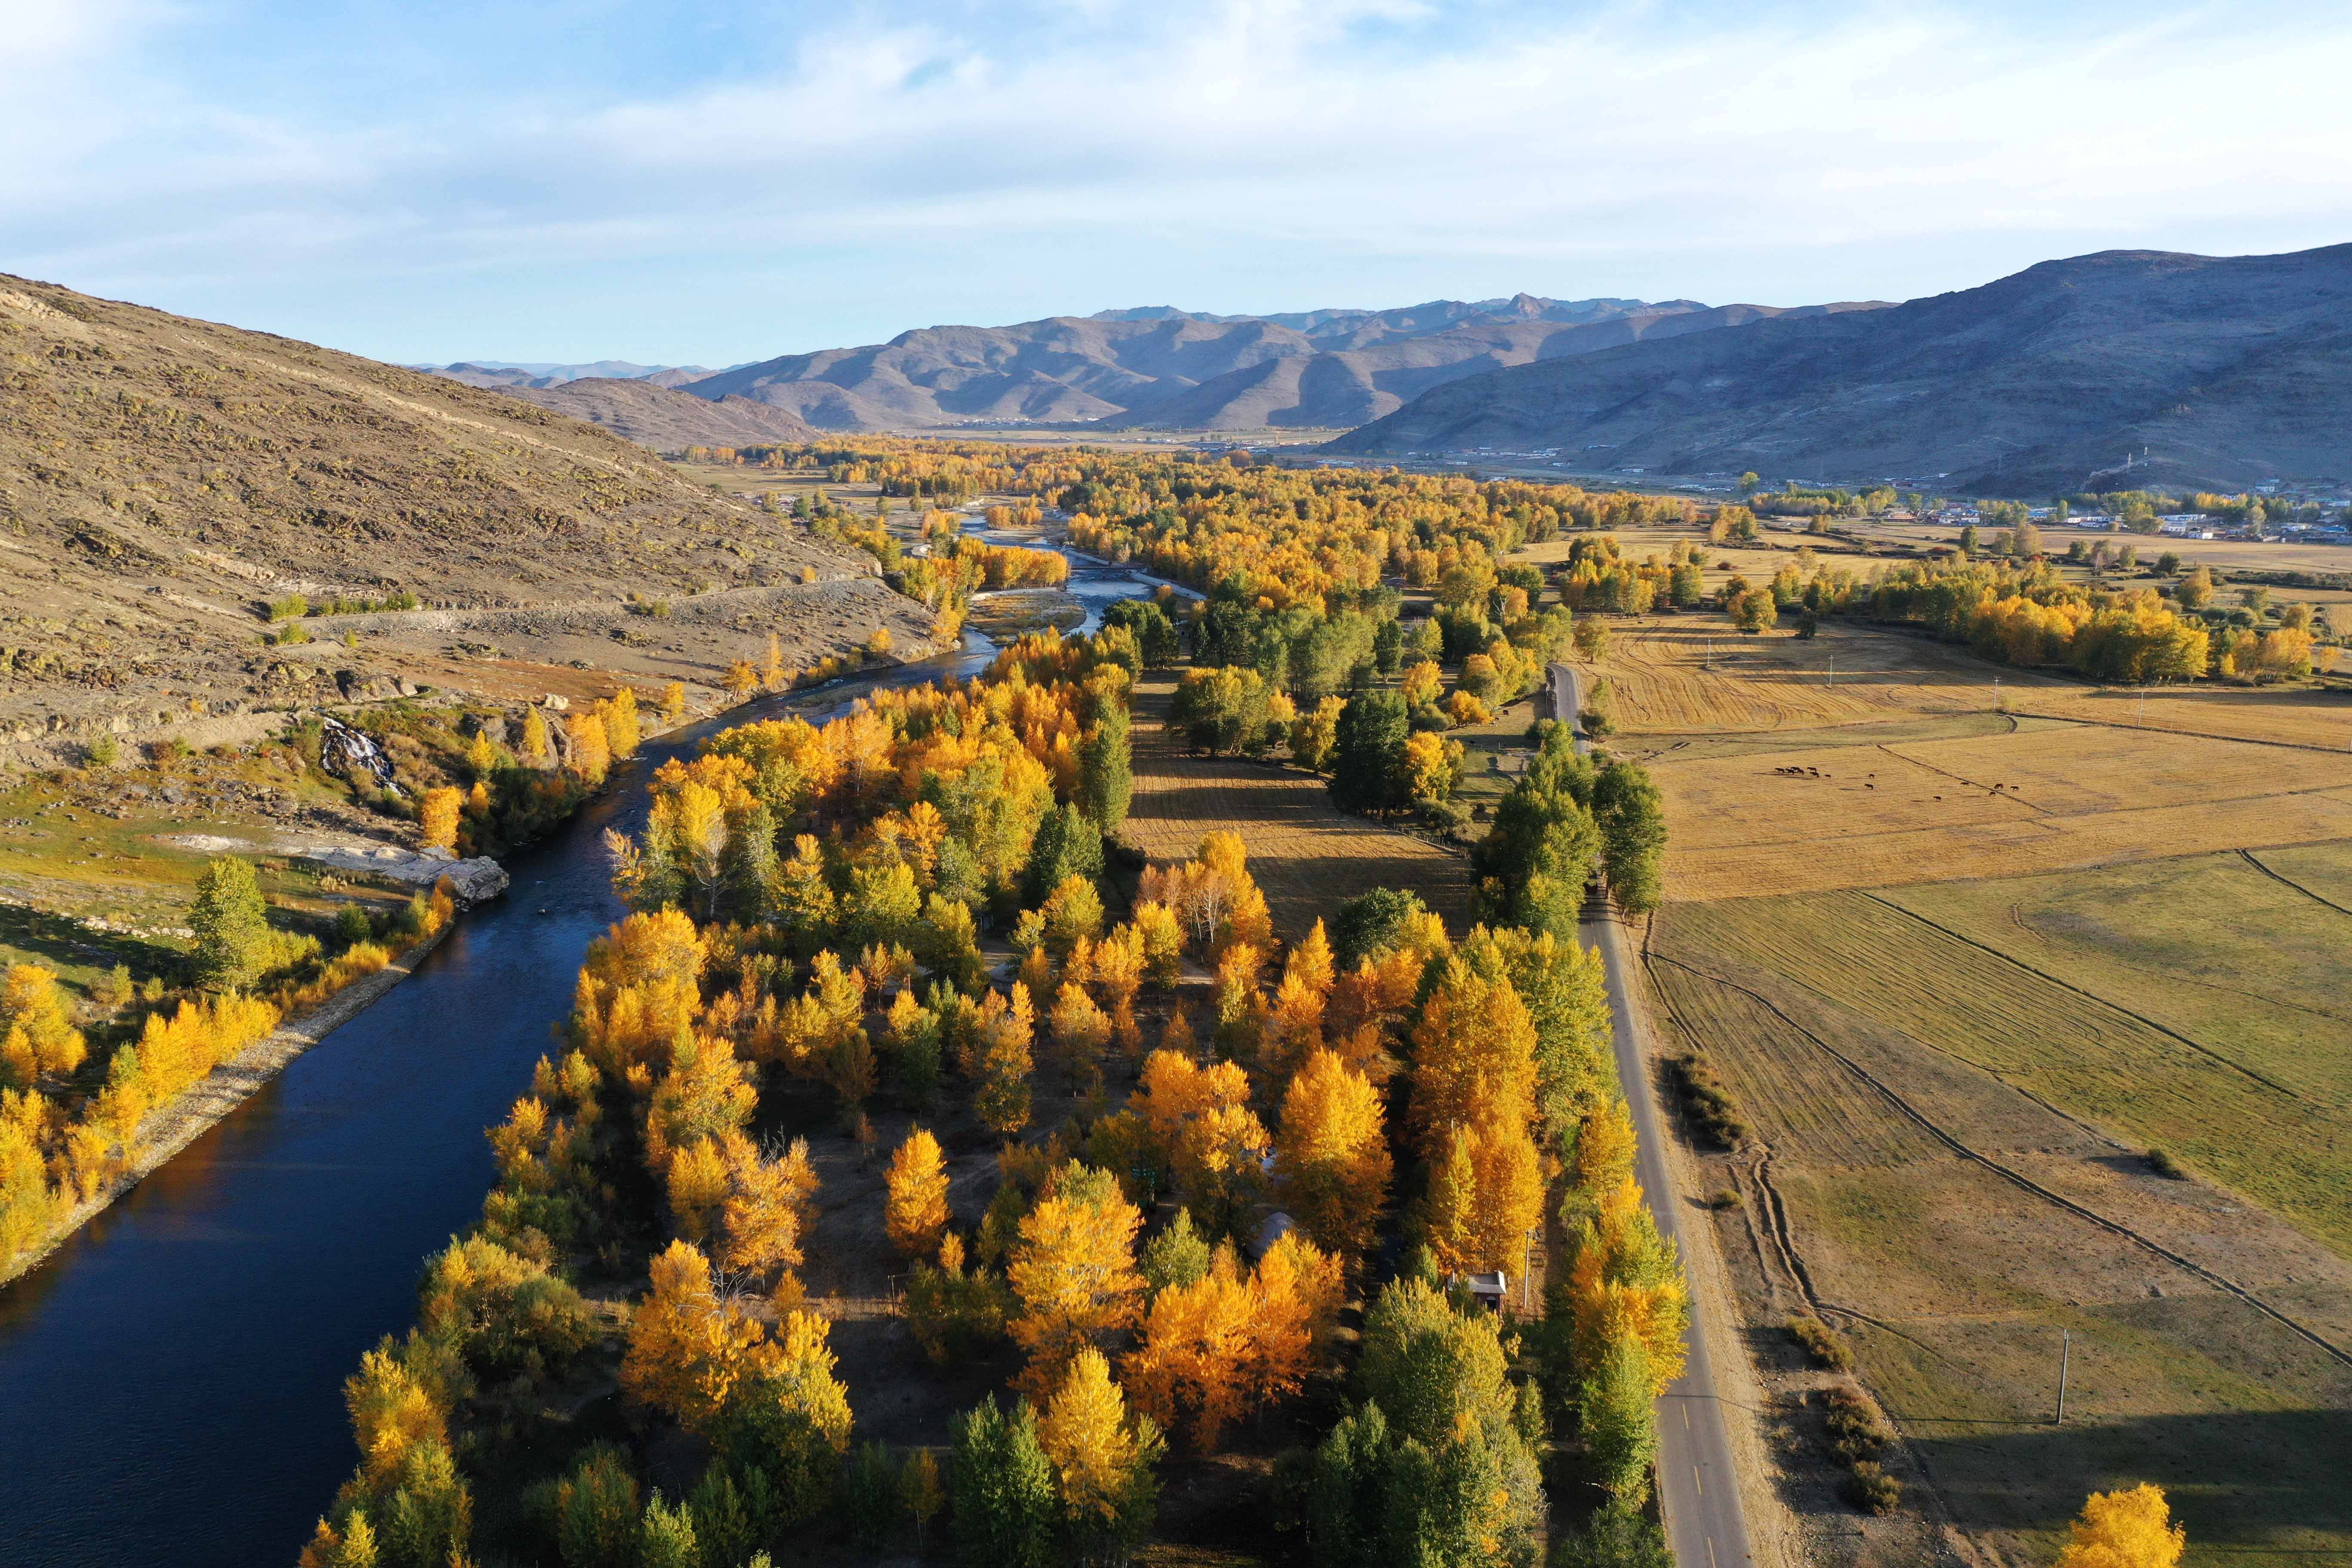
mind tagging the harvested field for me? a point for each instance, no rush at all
(2039, 798)
(2269, 1114)
(1306, 856)
(1921, 1180)
(1693, 675)
(1686, 674)
(2297, 716)
(1963, 965)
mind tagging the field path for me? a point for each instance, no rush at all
(1705, 1525)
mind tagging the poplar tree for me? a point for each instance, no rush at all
(1003, 1488)
(915, 1211)
(230, 923)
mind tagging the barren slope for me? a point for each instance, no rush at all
(161, 479)
(663, 419)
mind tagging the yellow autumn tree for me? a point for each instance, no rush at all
(1331, 1156)
(1188, 1369)
(2130, 1529)
(436, 816)
(1101, 1457)
(623, 725)
(1073, 1271)
(915, 1212)
(766, 1207)
(1199, 1119)
(1450, 1207)
(1626, 1280)
(1213, 1349)
(1472, 1058)
(36, 1032)
(686, 1349)
(536, 749)
(1007, 1030)
(592, 753)
(1080, 1029)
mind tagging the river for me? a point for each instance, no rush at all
(171, 1378)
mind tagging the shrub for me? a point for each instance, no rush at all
(2164, 1165)
(293, 608)
(1857, 1431)
(1710, 1105)
(1871, 1489)
(1821, 1343)
(1724, 1199)
(103, 752)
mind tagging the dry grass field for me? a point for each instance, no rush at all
(1965, 962)
(1306, 856)
(1914, 766)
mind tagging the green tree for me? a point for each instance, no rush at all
(665, 1538)
(1534, 863)
(1367, 773)
(1619, 1421)
(596, 1516)
(1178, 1256)
(231, 925)
(1004, 1487)
(1612, 1538)
(1106, 768)
(1068, 844)
(1367, 924)
(1632, 822)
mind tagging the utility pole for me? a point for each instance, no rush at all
(2065, 1349)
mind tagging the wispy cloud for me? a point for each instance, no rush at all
(658, 188)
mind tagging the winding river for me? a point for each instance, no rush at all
(171, 1379)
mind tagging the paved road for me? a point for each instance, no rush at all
(1698, 1491)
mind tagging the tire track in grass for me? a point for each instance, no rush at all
(1777, 1223)
(2298, 887)
(2202, 1050)
(2025, 1182)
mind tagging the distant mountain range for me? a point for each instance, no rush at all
(499, 374)
(2224, 372)
(1152, 367)
(1159, 368)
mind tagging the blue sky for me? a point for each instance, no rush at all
(711, 183)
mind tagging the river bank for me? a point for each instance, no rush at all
(172, 1126)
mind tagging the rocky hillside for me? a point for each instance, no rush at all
(2226, 370)
(666, 419)
(1157, 367)
(163, 481)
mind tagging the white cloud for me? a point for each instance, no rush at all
(1064, 153)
